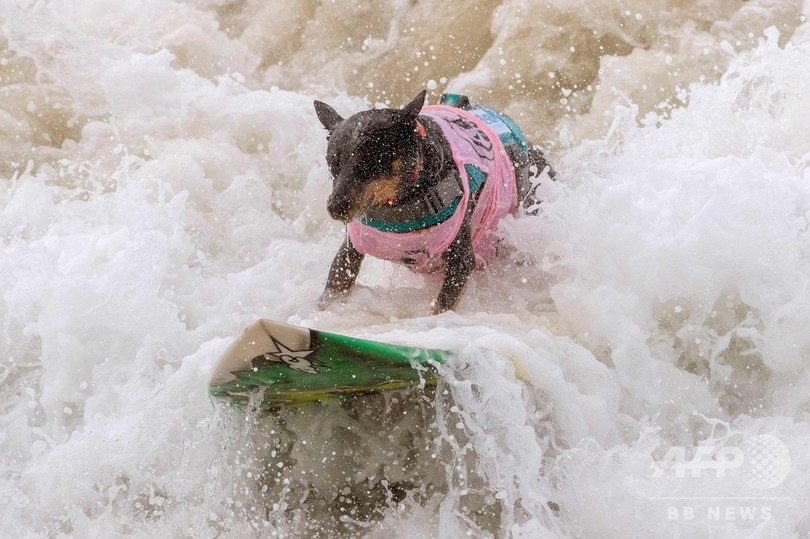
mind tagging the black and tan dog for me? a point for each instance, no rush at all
(425, 186)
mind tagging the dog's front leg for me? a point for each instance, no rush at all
(342, 273)
(459, 262)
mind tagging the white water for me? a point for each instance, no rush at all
(163, 185)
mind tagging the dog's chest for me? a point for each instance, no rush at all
(418, 234)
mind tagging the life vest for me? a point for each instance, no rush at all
(476, 138)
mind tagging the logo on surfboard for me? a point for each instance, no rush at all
(294, 359)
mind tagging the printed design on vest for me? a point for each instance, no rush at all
(472, 134)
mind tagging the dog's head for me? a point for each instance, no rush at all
(371, 156)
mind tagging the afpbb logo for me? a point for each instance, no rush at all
(763, 460)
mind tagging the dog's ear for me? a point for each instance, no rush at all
(411, 110)
(327, 115)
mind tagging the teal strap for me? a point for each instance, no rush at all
(517, 133)
(475, 176)
(415, 224)
(455, 100)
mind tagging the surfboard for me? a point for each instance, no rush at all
(281, 364)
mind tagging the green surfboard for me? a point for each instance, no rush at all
(292, 365)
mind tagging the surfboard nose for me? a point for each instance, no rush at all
(258, 339)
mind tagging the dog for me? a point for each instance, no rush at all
(426, 187)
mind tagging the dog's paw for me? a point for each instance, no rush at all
(325, 300)
(329, 297)
(437, 308)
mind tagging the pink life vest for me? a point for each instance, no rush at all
(473, 142)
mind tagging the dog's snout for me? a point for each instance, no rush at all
(338, 207)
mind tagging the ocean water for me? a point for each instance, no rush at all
(635, 367)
